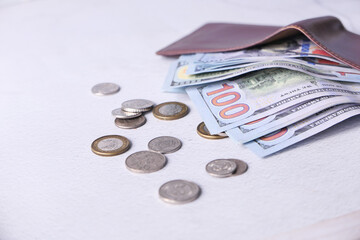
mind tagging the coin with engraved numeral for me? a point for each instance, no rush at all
(179, 192)
(241, 166)
(221, 168)
(119, 113)
(130, 123)
(137, 105)
(145, 162)
(110, 145)
(170, 110)
(164, 144)
(105, 89)
(204, 132)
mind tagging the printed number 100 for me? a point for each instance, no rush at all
(225, 99)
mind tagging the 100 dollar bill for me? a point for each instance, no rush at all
(299, 131)
(230, 104)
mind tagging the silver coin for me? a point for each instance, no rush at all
(130, 123)
(179, 192)
(165, 144)
(241, 167)
(221, 168)
(119, 113)
(145, 162)
(137, 105)
(105, 89)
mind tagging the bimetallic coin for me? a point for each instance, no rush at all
(221, 168)
(179, 192)
(119, 113)
(170, 110)
(164, 144)
(130, 123)
(110, 145)
(105, 89)
(204, 132)
(137, 105)
(241, 167)
(145, 162)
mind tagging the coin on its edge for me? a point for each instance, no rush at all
(137, 105)
(119, 113)
(130, 123)
(165, 144)
(221, 168)
(170, 110)
(204, 132)
(105, 89)
(145, 162)
(179, 191)
(241, 166)
(110, 145)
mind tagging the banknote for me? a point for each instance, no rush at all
(229, 104)
(299, 131)
(177, 76)
(271, 123)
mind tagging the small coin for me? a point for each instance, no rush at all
(105, 89)
(204, 132)
(170, 110)
(130, 123)
(119, 113)
(145, 162)
(110, 145)
(165, 144)
(179, 192)
(221, 168)
(241, 167)
(137, 105)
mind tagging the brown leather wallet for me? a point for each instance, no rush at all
(327, 32)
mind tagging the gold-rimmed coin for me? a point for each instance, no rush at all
(110, 145)
(204, 132)
(170, 110)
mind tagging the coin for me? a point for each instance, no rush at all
(221, 168)
(105, 89)
(119, 113)
(137, 105)
(241, 167)
(164, 144)
(179, 192)
(204, 132)
(110, 145)
(170, 110)
(145, 162)
(130, 123)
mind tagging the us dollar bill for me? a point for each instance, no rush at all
(178, 77)
(299, 131)
(229, 104)
(260, 127)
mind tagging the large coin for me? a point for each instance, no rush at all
(110, 145)
(241, 167)
(137, 105)
(105, 89)
(130, 123)
(119, 113)
(170, 110)
(179, 192)
(164, 144)
(204, 132)
(221, 168)
(145, 162)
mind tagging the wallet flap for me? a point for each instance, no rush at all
(327, 32)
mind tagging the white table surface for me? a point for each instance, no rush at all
(53, 187)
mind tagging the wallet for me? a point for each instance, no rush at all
(327, 32)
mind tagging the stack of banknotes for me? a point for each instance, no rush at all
(268, 97)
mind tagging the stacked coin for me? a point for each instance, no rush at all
(226, 167)
(130, 115)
